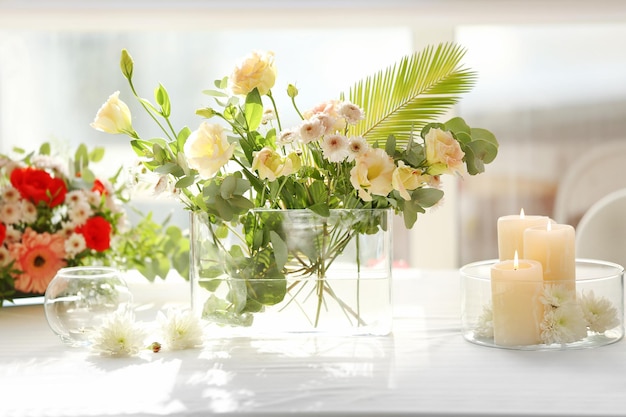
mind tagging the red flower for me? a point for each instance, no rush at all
(99, 188)
(3, 233)
(97, 233)
(36, 186)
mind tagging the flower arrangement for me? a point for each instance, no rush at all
(55, 215)
(376, 147)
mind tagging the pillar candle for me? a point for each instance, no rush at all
(511, 233)
(555, 248)
(516, 287)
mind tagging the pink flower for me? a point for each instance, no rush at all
(39, 257)
(373, 174)
(443, 152)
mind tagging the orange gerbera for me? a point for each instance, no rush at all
(39, 256)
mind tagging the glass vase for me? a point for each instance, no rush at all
(544, 315)
(78, 299)
(275, 272)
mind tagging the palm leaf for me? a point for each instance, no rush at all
(403, 98)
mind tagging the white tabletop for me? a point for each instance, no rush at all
(424, 368)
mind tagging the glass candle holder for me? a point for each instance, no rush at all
(543, 315)
(79, 298)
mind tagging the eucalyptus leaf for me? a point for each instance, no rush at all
(280, 249)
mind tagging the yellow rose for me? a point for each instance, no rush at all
(255, 71)
(372, 173)
(114, 117)
(406, 178)
(443, 152)
(271, 165)
(207, 149)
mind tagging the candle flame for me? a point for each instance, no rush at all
(521, 213)
(515, 261)
(549, 225)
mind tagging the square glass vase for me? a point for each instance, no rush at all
(543, 315)
(278, 272)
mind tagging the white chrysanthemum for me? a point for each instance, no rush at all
(351, 112)
(599, 313)
(10, 195)
(29, 211)
(10, 213)
(484, 327)
(79, 213)
(311, 130)
(286, 137)
(118, 335)
(564, 324)
(93, 198)
(74, 245)
(181, 329)
(357, 145)
(335, 148)
(268, 116)
(13, 235)
(5, 256)
(76, 197)
(556, 295)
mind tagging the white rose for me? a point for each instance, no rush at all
(207, 149)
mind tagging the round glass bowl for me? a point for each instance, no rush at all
(545, 315)
(79, 298)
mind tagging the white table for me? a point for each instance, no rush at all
(424, 368)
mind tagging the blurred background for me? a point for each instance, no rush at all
(551, 87)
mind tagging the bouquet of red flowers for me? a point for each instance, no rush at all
(53, 215)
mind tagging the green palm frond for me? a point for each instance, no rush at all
(403, 98)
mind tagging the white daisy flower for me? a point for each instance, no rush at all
(10, 195)
(119, 335)
(93, 198)
(181, 329)
(75, 197)
(75, 244)
(335, 148)
(357, 145)
(29, 212)
(564, 324)
(5, 256)
(599, 313)
(351, 112)
(13, 235)
(11, 213)
(556, 295)
(484, 327)
(79, 213)
(268, 116)
(311, 130)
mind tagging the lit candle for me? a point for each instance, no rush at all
(511, 233)
(516, 286)
(555, 248)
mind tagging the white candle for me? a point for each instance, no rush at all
(517, 310)
(555, 248)
(511, 233)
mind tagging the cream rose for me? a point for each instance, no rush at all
(372, 174)
(114, 117)
(271, 165)
(207, 149)
(255, 71)
(443, 152)
(406, 178)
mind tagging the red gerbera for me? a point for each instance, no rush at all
(99, 187)
(3, 233)
(97, 233)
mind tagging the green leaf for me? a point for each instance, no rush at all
(253, 109)
(390, 145)
(406, 96)
(185, 182)
(97, 154)
(280, 249)
(321, 209)
(44, 149)
(214, 93)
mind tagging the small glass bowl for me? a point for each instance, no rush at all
(79, 298)
(587, 313)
